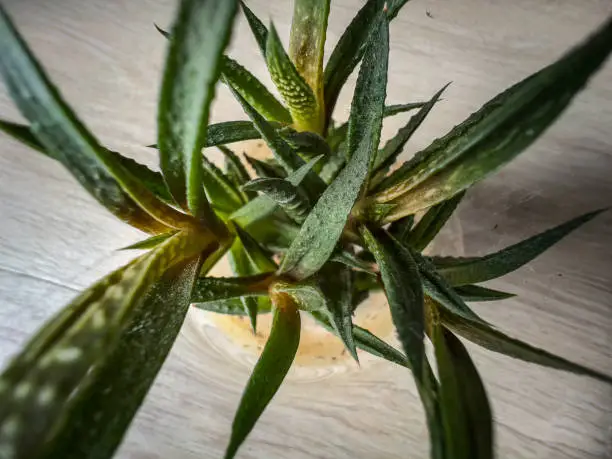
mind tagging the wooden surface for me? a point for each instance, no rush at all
(54, 239)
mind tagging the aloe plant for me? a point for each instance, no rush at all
(322, 225)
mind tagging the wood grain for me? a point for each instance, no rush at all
(54, 239)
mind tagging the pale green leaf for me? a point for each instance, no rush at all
(497, 133)
(322, 229)
(474, 270)
(269, 372)
(201, 32)
(465, 409)
(64, 137)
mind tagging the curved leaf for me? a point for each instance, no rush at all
(307, 143)
(497, 133)
(474, 270)
(48, 389)
(323, 227)
(193, 64)
(56, 128)
(494, 340)
(269, 372)
(466, 413)
(266, 168)
(283, 193)
(260, 32)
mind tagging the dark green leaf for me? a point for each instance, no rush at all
(232, 307)
(260, 32)
(24, 135)
(288, 197)
(323, 227)
(478, 293)
(400, 229)
(224, 196)
(262, 206)
(236, 172)
(497, 133)
(336, 283)
(349, 259)
(58, 131)
(214, 289)
(480, 269)
(296, 92)
(494, 340)
(351, 47)
(466, 413)
(396, 109)
(367, 341)
(308, 144)
(259, 259)
(57, 393)
(242, 266)
(269, 372)
(254, 92)
(392, 149)
(432, 222)
(438, 288)
(193, 64)
(266, 168)
(163, 32)
(150, 242)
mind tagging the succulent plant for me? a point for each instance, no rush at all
(325, 222)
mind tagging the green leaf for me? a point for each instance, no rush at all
(432, 222)
(266, 168)
(349, 259)
(276, 234)
(221, 192)
(193, 64)
(307, 42)
(404, 292)
(367, 341)
(336, 283)
(150, 242)
(474, 270)
(494, 340)
(232, 307)
(392, 149)
(306, 295)
(308, 144)
(497, 133)
(57, 393)
(400, 229)
(254, 92)
(288, 197)
(58, 131)
(323, 227)
(263, 206)
(396, 109)
(466, 413)
(295, 91)
(478, 293)
(259, 259)
(236, 172)
(152, 180)
(439, 289)
(215, 289)
(242, 266)
(269, 372)
(351, 47)
(260, 32)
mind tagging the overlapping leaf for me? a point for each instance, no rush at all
(322, 229)
(58, 131)
(479, 293)
(282, 192)
(495, 134)
(54, 379)
(269, 372)
(199, 36)
(459, 271)
(221, 192)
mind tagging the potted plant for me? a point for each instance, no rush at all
(324, 223)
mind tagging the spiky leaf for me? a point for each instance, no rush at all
(64, 137)
(221, 192)
(466, 413)
(296, 92)
(269, 372)
(494, 340)
(199, 36)
(260, 32)
(323, 227)
(283, 193)
(150, 242)
(213, 289)
(497, 133)
(479, 293)
(54, 379)
(479, 269)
